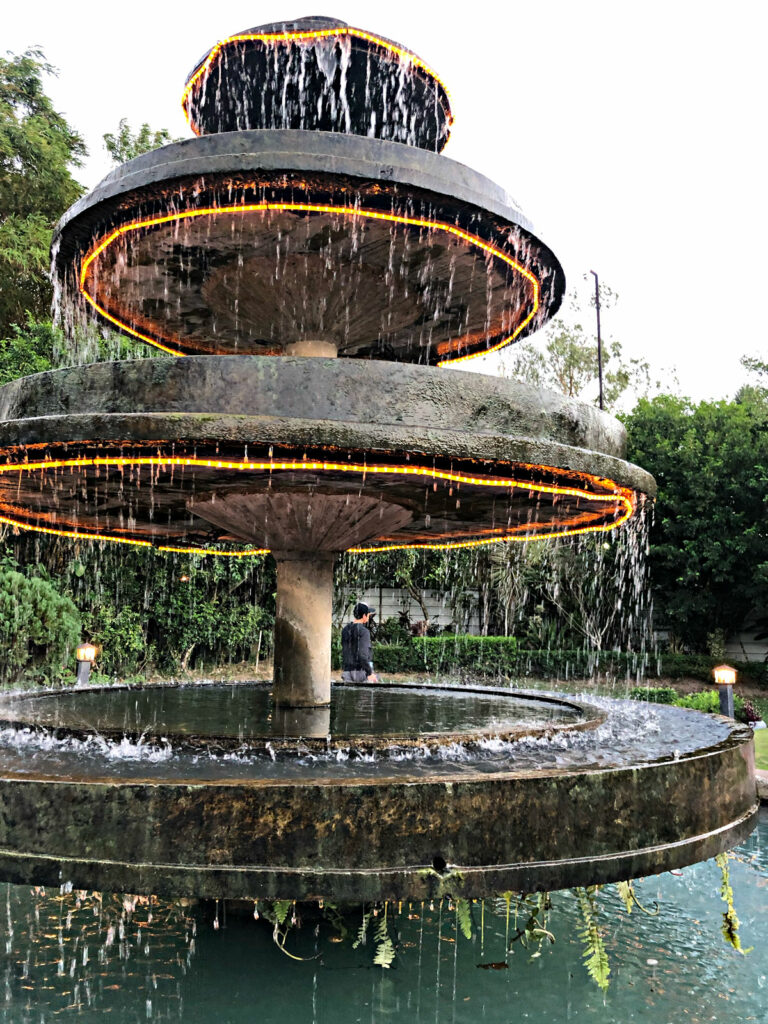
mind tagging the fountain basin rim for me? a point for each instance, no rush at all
(254, 429)
(290, 149)
(738, 736)
(359, 404)
(590, 717)
(412, 881)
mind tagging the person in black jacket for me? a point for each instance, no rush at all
(356, 657)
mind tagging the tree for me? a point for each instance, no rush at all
(568, 361)
(37, 150)
(29, 349)
(709, 539)
(127, 144)
(39, 626)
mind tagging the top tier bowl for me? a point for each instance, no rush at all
(318, 74)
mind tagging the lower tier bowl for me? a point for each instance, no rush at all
(647, 789)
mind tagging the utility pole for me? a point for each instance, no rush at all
(599, 340)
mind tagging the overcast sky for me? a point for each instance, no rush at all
(633, 135)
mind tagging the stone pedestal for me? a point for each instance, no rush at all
(303, 628)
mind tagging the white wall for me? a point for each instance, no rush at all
(388, 602)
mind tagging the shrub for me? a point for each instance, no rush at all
(654, 694)
(751, 713)
(39, 629)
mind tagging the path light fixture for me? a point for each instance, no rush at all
(725, 677)
(86, 655)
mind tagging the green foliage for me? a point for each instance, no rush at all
(28, 349)
(709, 538)
(281, 908)
(119, 632)
(126, 143)
(39, 629)
(654, 694)
(362, 932)
(705, 700)
(384, 954)
(626, 892)
(595, 956)
(152, 612)
(464, 917)
(499, 656)
(37, 149)
(568, 361)
(731, 923)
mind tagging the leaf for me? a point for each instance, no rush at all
(281, 910)
(464, 917)
(385, 949)
(362, 931)
(594, 956)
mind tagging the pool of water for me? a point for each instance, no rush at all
(245, 711)
(108, 959)
(633, 733)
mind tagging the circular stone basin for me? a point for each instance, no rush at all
(248, 242)
(650, 789)
(241, 717)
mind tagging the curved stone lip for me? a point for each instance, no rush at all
(392, 743)
(290, 149)
(737, 738)
(309, 24)
(359, 404)
(469, 836)
(412, 881)
(460, 199)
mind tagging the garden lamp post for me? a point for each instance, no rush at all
(725, 677)
(86, 655)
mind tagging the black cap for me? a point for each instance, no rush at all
(360, 610)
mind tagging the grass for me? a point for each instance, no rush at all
(761, 749)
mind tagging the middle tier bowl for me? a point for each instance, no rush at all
(254, 242)
(305, 454)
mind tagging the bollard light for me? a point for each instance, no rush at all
(86, 654)
(725, 677)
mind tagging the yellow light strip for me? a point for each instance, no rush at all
(622, 496)
(418, 222)
(291, 37)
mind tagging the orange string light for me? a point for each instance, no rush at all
(393, 218)
(623, 497)
(307, 36)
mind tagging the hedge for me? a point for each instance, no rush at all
(502, 656)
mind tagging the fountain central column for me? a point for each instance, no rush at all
(304, 607)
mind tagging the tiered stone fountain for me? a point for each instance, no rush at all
(318, 267)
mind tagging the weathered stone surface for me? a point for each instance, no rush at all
(303, 612)
(370, 839)
(294, 400)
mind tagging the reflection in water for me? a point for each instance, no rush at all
(79, 956)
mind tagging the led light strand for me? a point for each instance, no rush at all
(622, 496)
(367, 469)
(289, 37)
(393, 218)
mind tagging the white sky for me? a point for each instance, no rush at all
(632, 134)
